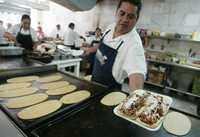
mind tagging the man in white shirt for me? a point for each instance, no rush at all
(57, 33)
(120, 54)
(3, 41)
(1, 23)
(70, 36)
(22, 34)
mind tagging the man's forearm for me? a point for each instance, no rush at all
(94, 49)
(136, 81)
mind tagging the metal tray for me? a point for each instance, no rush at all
(43, 71)
(97, 120)
(11, 51)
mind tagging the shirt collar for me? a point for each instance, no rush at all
(122, 37)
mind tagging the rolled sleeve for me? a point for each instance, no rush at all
(135, 61)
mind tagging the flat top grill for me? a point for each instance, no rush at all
(16, 62)
(31, 124)
(97, 120)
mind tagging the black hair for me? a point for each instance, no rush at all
(25, 16)
(98, 29)
(137, 3)
(71, 25)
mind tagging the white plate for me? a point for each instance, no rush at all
(116, 112)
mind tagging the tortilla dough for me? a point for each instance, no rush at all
(54, 85)
(11, 86)
(88, 77)
(75, 97)
(50, 78)
(39, 110)
(26, 101)
(62, 90)
(177, 124)
(18, 92)
(22, 79)
(113, 98)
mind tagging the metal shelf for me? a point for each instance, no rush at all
(154, 50)
(183, 92)
(174, 64)
(175, 39)
(154, 84)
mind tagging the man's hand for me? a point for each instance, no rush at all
(86, 51)
(136, 81)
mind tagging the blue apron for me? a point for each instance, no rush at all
(25, 40)
(103, 64)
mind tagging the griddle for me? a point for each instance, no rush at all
(25, 125)
(97, 120)
(16, 62)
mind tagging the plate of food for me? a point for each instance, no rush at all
(145, 109)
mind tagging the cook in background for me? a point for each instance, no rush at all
(120, 54)
(71, 37)
(40, 33)
(3, 40)
(1, 23)
(91, 43)
(57, 33)
(23, 35)
(9, 27)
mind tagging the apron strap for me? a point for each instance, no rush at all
(105, 34)
(120, 45)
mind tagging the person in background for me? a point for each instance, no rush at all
(120, 54)
(71, 36)
(22, 34)
(57, 33)
(1, 23)
(92, 42)
(40, 33)
(3, 41)
(9, 27)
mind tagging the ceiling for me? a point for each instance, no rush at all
(77, 5)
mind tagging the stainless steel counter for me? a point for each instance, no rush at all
(16, 62)
(8, 128)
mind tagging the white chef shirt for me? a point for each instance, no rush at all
(55, 32)
(70, 37)
(16, 28)
(130, 58)
(2, 39)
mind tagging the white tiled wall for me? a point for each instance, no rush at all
(181, 16)
(175, 16)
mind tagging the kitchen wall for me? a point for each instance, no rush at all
(84, 21)
(176, 16)
(181, 16)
